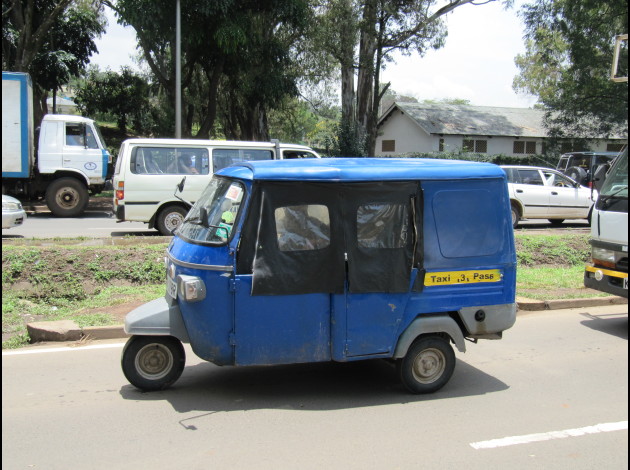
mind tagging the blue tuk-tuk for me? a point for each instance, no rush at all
(301, 261)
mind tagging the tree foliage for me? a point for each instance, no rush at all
(124, 95)
(567, 64)
(52, 40)
(364, 35)
(236, 58)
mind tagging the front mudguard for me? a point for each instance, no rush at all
(157, 318)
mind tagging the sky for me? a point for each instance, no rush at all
(476, 64)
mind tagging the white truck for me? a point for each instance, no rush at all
(69, 162)
(608, 269)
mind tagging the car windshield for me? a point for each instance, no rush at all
(213, 215)
(616, 183)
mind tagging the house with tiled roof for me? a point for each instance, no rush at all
(407, 128)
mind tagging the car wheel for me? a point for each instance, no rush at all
(428, 365)
(67, 197)
(170, 218)
(516, 216)
(153, 362)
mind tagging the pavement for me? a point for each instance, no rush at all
(68, 330)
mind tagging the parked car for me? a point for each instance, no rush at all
(12, 212)
(543, 193)
(582, 166)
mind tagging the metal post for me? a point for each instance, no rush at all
(178, 71)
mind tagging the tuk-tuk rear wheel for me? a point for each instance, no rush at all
(153, 362)
(428, 365)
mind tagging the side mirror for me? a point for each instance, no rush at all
(182, 183)
(203, 215)
(180, 188)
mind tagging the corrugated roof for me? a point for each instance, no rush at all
(473, 120)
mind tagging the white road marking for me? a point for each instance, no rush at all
(547, 436)
(61, 349)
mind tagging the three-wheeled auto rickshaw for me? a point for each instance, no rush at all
(301, 261)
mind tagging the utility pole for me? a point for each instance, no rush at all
(178, 71)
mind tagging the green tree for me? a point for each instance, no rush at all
(293, 122)
(567, 63)
(376, 29)
(51, 40)
(124, 95)
(236, 58)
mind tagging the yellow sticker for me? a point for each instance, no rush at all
(462, 277)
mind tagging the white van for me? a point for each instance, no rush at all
(148, 170)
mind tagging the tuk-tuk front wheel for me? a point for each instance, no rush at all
(153, 362)
(428, 365)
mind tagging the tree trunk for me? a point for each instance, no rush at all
(367, 50)
(347, 35)
(207, 121)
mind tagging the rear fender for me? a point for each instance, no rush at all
(430, 324)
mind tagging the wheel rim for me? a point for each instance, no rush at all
(68, 198)
(429, 365)
(172, 220)
(154, 361)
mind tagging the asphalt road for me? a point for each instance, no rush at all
(99, 222)
(94, 224)
(553, 393)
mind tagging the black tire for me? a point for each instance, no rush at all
(428, 365)
(578, 174)
(516, 216)
(169, 219)
(153, 362)
(67, 197)
(556, 222)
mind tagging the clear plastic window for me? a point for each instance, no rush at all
(305, 227)
(382, 226)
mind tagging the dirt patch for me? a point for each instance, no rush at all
(117, 312)
(50, 282)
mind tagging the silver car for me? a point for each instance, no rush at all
(12, 212)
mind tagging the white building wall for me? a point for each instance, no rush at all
(408, 137)
(411, 138)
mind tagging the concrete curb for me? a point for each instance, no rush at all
(531, 305)
(67, 330)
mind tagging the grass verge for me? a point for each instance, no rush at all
(88, 284)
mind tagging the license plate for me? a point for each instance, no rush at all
(171, 287)
(625, 283)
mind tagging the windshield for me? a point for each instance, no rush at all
(616, 183)
(100, 136)
(213, 215)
